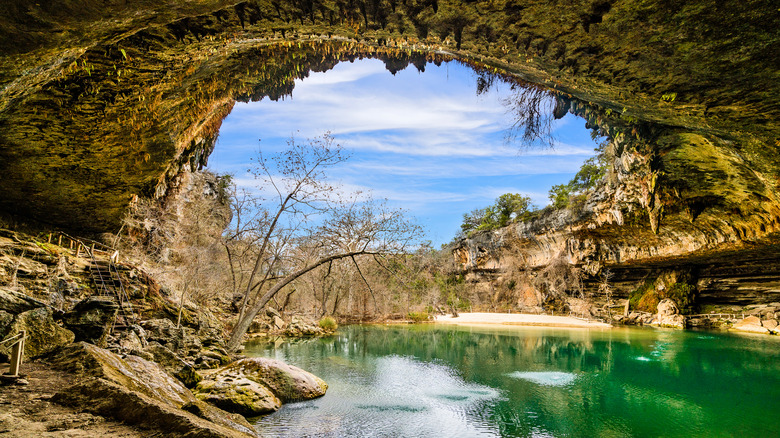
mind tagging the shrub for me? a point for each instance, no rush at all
(646, 297)
(574, 193)
(329, 324)
(509, 207)
(636, 297)
(417, 317)
(682, 294)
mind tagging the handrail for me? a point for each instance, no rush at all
(13, 338)
(730, 315)
(102, 289)
(124, 297)
(94, 245)
(17, 351)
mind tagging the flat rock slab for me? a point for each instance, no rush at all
(138, 391)
(751, 324)
(102, 397)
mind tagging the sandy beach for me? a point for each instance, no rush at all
(522, 319)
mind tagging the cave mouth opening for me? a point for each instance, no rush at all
(438, 139)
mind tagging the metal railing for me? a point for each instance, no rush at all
(719, 315)
(91, 248)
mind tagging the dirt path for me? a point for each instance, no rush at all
(26, 412)
(521, 319)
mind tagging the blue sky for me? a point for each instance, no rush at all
(424, 141)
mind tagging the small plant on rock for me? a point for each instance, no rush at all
(418, 317)
(328, 324)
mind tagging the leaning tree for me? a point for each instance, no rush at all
(309, 222)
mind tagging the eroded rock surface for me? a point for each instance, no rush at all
(43, 333)
(131, 93)
(259, 385)
(668, 315)
(138, 391)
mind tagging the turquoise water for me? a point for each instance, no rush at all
(446, 381)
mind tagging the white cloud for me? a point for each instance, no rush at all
(342, 73)
(424, 144)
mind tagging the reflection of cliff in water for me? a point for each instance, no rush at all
(579, 382)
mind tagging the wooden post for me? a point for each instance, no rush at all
(49, 237)
(17, 352)
(78, 250)
(70, 245)
(59, 241)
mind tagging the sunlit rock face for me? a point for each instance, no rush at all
(688, 206)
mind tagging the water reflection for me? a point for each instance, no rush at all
(453, 381)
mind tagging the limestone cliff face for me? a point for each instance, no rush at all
(704, 215)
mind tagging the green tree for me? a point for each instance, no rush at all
(509, 207)
(591, 172)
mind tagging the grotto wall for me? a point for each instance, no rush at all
(102, 101)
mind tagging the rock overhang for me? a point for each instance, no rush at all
(117, 102)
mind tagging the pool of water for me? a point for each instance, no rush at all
(446, 381)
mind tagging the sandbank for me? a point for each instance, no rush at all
(521, 319)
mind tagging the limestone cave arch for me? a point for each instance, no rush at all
(101, 103)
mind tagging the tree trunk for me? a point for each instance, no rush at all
(246, 319)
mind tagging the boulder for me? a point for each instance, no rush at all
(91, 319)
(188, 376)
(301, 327)
(238, 394)
(182, 340)
(668, 315)
(6, 319)
(165, 357)
(205, 363)
(259, 385)
(132, 372)
(137, 391)
(17, 302)
(751, 324)
(212, 358)
(43, 333)
(771, 324)
(667, 307)
(132, 340)
(109, 399)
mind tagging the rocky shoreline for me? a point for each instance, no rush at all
(126, 365)
(95, 365)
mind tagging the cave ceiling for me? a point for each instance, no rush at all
(104, 101)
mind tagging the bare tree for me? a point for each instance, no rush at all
(312, 224)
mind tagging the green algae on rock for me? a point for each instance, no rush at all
(257, 386)
(137, 391)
